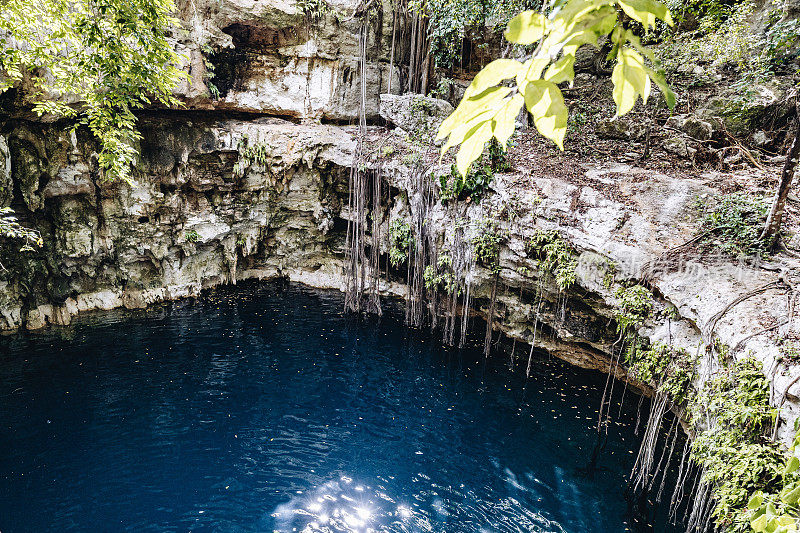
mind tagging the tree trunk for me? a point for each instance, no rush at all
(773, 225)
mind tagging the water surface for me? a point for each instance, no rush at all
(264, 408)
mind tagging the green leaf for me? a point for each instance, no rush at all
(531, 70)
(755, 501)
(630, 80)
(471, 107)
(457, 135)
(759, 524)
(526, 28)
(646, 11)
(658, 78)
(792, 497)
(492, 74)
(546, 103)
(504, 122)
(561, 71)
(472, 147)
(791, 465)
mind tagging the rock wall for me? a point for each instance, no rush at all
(187, 221)
(290, 59)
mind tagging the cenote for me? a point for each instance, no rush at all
(265, 408)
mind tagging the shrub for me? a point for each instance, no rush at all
(737, 220)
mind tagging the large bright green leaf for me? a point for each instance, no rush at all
(658, 78)
(791, 465)
(630, 80)
(792, 497)
(526, 28)
(472, 147)
(546, 103)
(457, 135)
(504, 122)
(760, 523)
(532, 70)
(646, 11)
(492, 74)
(755, 501)
(471, 107)
(562, 70)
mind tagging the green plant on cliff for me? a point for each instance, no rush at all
(192, 236)
(441, 275)
(250, 154)
(733, 225)
(491, 104)
(732, 446)
(779, 512)
(401, 241)
(313, 10)
(454, 186)
(554, 256)
(486, 244)
(665, 368)
(634, 306)
(92, 61)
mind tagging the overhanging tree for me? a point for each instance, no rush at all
(490, 104)
(93, 61)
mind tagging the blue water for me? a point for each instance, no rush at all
(265, 408)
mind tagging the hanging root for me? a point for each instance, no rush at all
(643, 467)
(533, 340)
(487, 341)
(361, 184)
(683, 473)
(611, 370)
(700, 517)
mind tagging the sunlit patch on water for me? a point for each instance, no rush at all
(341, 505)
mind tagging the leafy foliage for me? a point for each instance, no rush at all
(737, 220)
(449, 22)
(635, 304)
(667, 369)
(401, 241)
(486, 244)
(472, 186)
(779, 512)
(249, 155)
(489, 107)
(441, 275)
(12, 229)
(736, 456)
(192, 236)
(554, 256)
(112, 56)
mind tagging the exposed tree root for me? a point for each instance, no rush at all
(708, 330)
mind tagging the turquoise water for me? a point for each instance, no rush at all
(264, 408)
